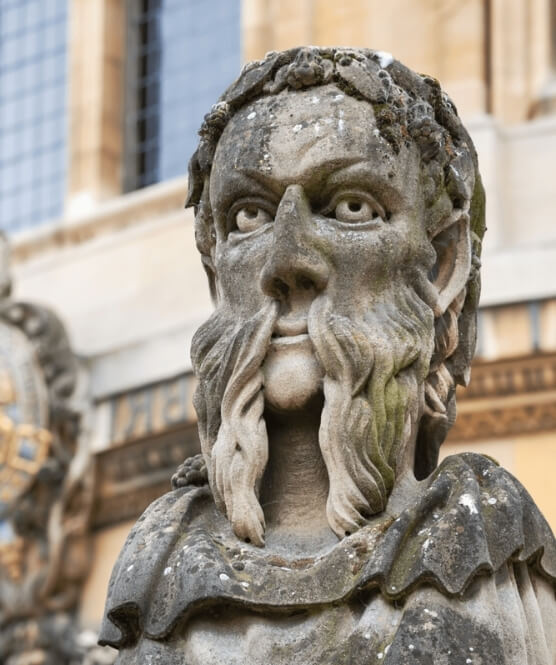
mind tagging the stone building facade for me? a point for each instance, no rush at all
(117, 259)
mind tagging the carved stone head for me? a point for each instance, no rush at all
(339, 216)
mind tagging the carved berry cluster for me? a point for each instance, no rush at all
(192, 472)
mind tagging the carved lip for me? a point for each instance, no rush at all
(290, 341)
(290, 327)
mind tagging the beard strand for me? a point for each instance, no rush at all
(373, 368)
(229, 402)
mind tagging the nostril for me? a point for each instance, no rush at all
(281, 287)
(306, 283)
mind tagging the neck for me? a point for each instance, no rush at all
(295, 486)
(294, 489)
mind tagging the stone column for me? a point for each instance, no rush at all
(97, 52)
(546, 51)
(522, 58)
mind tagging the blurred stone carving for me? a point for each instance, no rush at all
(339, 216)
(45, 485)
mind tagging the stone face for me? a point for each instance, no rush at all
(339, 217)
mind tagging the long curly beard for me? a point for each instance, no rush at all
(375, 366)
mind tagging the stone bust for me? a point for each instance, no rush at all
(339, 216)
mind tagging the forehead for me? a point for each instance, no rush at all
(303, 136)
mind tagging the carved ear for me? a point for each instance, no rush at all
(453, 259)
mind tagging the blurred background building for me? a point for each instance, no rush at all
(100, 101)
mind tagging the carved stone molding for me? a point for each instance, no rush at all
(505, 421)
(507, 398)
(131, 476)
(47, 335)
(511, 377)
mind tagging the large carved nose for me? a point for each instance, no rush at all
(295, 261)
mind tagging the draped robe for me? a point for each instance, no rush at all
(466, 574)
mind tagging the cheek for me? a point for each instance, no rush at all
(370, 258)
(238, 267)
(369, 261)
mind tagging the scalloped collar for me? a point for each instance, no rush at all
(472, 518)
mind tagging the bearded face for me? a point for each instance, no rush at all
(322, 264)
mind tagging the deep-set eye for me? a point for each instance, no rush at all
(250, 218)
(355, 209)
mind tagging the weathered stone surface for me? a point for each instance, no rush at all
(182, 554)
(339, 216)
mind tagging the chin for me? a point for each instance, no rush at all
(292, 374)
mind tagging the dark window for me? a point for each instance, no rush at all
(33, 64)
(181, 55)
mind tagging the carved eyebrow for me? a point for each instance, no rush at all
(365, 173)
(260, 178)
(313, 179)
(242, 182)
(361, 169)
(327, 175)
(240, 177)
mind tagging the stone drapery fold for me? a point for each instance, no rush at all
(182, 556)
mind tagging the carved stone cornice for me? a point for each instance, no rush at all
(505, 421)
(515, 376)
(507, 398)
